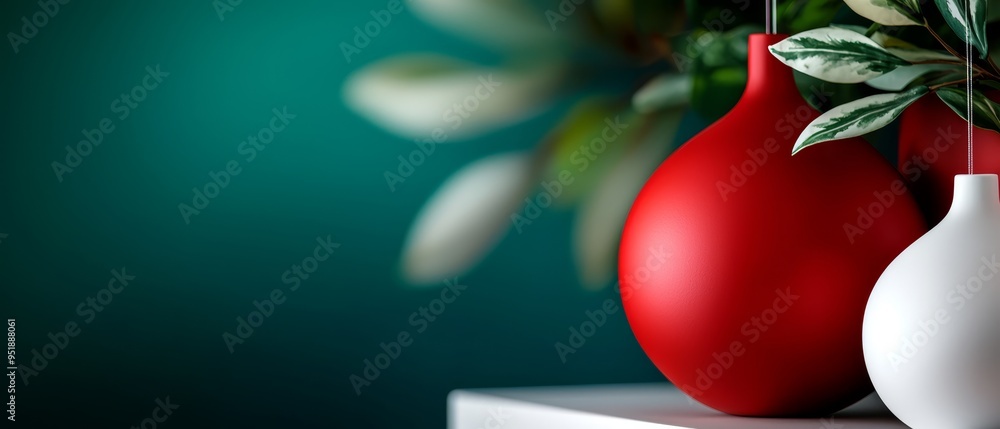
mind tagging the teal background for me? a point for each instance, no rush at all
(162, 336)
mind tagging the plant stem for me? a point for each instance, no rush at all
(995, 74)
(927, 25)
(979, 70)
(944, 84)
(948, 62)
(873, 29)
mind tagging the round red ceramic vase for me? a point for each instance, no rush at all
(933, 148)
(745, 271)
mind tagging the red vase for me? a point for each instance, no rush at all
(933, 148)
(745, 272)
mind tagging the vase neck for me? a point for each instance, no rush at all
(766, 75)
(977, 193)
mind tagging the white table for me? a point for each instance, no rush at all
(630, 406)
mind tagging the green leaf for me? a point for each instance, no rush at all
(836, 55)
(888, 12)
(909, 51)
(665, 91)
(719, 74)
(900, 78)
(956, 12)
(574, 143)
(798, 16)
(857, 118)
(984, 110)
(900, 47)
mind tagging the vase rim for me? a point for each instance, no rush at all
(975, 192)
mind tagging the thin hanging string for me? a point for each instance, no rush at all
(771, 24)
(968, 76)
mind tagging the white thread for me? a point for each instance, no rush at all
(771, 24)
(968, 77)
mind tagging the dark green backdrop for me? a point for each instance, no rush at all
(162, 334)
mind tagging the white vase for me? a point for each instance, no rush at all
(932, 326)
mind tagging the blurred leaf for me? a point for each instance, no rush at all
(857, 117)
(803, 15)
(659, 17)
(587, 143)
(888, 12)
(512, 24)
(616, 16)
(466, 217)
(984, 110)
(715, 94)
(416, 95)
(992, 11)
(957, 12)
(599, 222)
(836, 55)
(719, 72)
(664, 91)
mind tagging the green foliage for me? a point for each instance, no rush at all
(836, 55)
(984, 110)
(957, 13)
(858, 117)
(891, 59)
(719, 72)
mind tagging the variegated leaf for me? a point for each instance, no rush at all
(984, 110)
(601, 218)
(888, 12)
(900, 47)
(956, 13)
(836, 55)
(857, 118)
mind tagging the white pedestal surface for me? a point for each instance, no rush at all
(631, 406)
